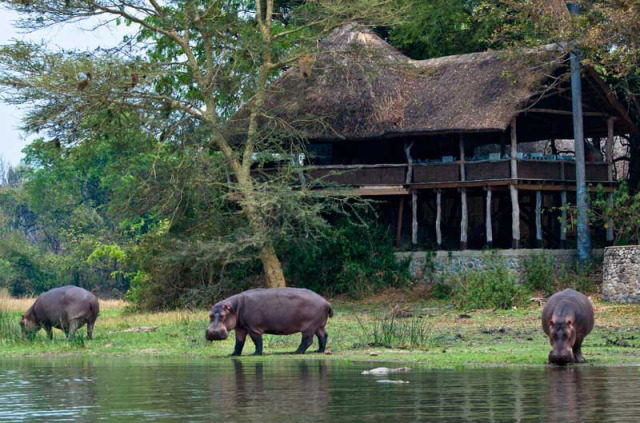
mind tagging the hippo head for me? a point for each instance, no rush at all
(562, 336)
(222, 319)
(28, 325)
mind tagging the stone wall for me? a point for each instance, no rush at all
(621, 274)
(451, 262)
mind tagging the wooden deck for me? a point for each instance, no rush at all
(398, 179)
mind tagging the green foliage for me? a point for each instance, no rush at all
(441, 28)
(9, 329)
(441, 290)
(495, 287)
(582, 278)
(353, 259)
(539, 273)
(622, 209)
(385, 330)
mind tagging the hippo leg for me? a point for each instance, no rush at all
(241, 335)
(73, 327)
(49, 331)
(257, 340)
(90, 330)
(322, 339)
(307, 340)
(577, 352)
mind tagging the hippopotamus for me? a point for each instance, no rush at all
(276, 311)
(567, 319)
(67, 308)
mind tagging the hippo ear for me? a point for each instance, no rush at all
(569, 322)
(227, 308)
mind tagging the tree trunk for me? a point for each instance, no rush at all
(272, 267)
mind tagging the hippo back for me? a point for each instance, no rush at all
(282, 311)
(574, 301)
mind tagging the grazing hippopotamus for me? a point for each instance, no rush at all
(67, 308)
(567, 319)
(276, 311)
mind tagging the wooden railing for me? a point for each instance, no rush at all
(475, 171)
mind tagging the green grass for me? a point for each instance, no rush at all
(432, 334)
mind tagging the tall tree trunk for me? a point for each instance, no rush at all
(271, 264)
(272, 267)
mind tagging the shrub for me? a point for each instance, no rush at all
(9, 329)
(388, 331)
(539, 273)
(351, 259)
(492, 288)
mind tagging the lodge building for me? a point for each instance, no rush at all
(464, 150)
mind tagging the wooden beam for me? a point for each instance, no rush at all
(609, 147)
(513, 190)
(438, 218)
(488, 227)
(565, 112)
(399, 226)
(610, 221)
(539, 219)
(414, 217)
(563, 221)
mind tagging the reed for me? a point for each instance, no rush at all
(9, 326)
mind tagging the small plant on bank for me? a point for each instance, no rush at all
(539, 273)
(9, 328)
(495, 287)
(389, 331)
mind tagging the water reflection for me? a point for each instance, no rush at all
(245, 390)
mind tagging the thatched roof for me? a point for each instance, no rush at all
(359, 87)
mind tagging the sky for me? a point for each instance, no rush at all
(12, 141)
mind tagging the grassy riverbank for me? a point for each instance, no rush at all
(389, 327)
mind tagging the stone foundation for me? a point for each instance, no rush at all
(451, 262)
(621, 274)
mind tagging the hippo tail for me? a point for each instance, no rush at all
(330, 311)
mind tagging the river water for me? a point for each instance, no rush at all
(245, 390)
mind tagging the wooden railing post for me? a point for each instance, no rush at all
(464, 221)
(438, 218)
(488, 226)
(515, 206)
(609, 152)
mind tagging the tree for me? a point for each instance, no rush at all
(188, 68)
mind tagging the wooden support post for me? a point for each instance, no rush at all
(609, 152)
(488, 226)
(399, 226)
(414, 217)
(539, 219)
(464, 221)
(464, 215)
(438, 218)
(563, 221)
(462, 169)
(515, 206)
(407, 151)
